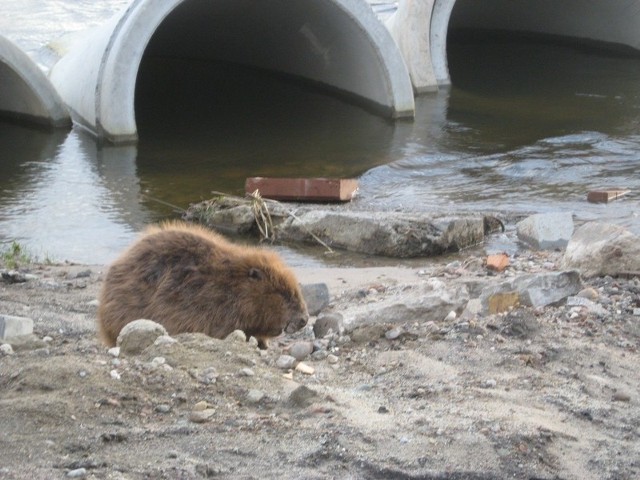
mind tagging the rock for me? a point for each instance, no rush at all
(304, 368)
(394, 333)
(202, 416)
(378, 233)
(316, 296)
(301, 350)
(533, 290)
(200, 406)
(621, 397)
(599, 249)
(546, 231)
(26, 342)
(302, 397)
(588, 293)
(13, 276)
(138, 335)
(285, 362)
(236, 336)
(12, 326)
(540, 290)
(326, 322)
(247, 372)
(77, 473)
(431, 300)
(6, 349)
(577, 301)
(502, 302)
(254, 396)
(374, 233)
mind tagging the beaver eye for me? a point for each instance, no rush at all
(256, 274)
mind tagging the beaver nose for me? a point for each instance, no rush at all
(297, 322)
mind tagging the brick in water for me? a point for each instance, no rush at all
(11, 327)
(604, 196)
(303, 189)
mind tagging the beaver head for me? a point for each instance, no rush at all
(267, 299)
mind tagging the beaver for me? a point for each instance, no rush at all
(191, 279)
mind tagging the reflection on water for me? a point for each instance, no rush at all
(526, 127)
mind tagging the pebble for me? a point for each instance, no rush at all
(450, 316)
(200, 406)
(202, 416)
(6, 349)
(301, 350)
(115, 374)
(77, 473)
(302, 397)
(332, 359)
(158, 361)
(207, 376)
(326, 323)
(163, 408)
(589, 293)
(394, 333)
(247, 372)
(254, 396)
(490, 383)
(621, 397)
(306, 369)
(319, 355)
(285, 362)
(236, 336)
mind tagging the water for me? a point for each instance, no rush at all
(526, 127)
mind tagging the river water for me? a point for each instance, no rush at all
(526, 127)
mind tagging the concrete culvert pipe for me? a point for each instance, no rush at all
(338, 45)
(26, 94)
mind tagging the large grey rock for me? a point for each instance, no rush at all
(379, 233)
(376, 233)
(316, 296)
(11, 326)
(138, 335)
(598, 249)
(546, 231)
(535, 290)
(430, 301)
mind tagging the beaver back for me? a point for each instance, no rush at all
(190, 279)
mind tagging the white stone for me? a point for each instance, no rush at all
(11, 326)
(546, 231)
(598, 249)
(138, 335)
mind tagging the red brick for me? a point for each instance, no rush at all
(498, 262)
(303, 189)
(604, 196)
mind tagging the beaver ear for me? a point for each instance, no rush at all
(256, 273)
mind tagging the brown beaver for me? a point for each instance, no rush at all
(190, 279)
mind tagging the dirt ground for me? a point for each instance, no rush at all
(545, 394)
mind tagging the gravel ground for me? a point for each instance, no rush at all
(547, 393)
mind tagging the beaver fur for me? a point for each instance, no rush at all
(190, 279)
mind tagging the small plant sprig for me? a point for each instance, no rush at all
(15, 255)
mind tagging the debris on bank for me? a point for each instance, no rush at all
(399, 235)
